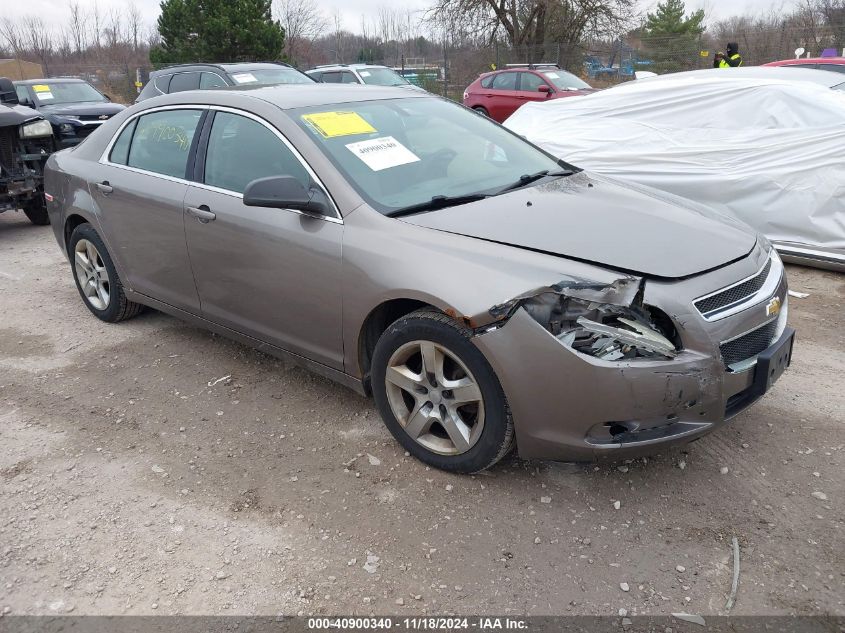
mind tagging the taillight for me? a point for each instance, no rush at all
(466, 94)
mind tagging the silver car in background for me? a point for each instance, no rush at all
(486, 294)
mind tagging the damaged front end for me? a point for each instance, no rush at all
(591, 369)
(606, 321)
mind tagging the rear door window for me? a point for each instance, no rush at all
(505, 81)
(162, 141)
(347, 77)
(241, 150)
(331, 78)
(211, 80)
(184, 81)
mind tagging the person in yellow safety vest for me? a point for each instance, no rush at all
(731, 59)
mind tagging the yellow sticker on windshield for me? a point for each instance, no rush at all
(332, 124)
(41, 88)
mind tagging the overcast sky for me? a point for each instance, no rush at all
(55, 11)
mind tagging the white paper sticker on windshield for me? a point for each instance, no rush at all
(382, 153)
(552, 75)
(364, 73)
(244, 78)
(44, 96)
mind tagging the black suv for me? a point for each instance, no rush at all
(26, 141)
(208, 76)
(73, 106)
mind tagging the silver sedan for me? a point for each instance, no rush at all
(485, 293)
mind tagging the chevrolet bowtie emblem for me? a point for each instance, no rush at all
(103, 117)
(773, 307)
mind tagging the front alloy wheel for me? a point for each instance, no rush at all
(438, 395)
(435, 398)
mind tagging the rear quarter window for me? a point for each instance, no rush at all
(120, 150)
(487, 82)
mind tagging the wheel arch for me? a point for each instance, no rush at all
(71, 222)
(374, 325)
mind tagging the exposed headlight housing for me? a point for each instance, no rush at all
(35, 129)
(605, 331)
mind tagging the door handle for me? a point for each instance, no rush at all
(202, 213)
(105, 187)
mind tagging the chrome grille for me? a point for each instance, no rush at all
(735, 294)
(750, 344)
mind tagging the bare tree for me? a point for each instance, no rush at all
(77, 27)
(38, 39)
(529, 25)
(134, 24)
(303, 21)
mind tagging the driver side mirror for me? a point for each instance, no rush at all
(285, 192)
(545, 89)
(8, 94)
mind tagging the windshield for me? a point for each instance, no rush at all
(403, 152)
(66, 92)
(563, 80)
(269, 77)
(382, 77)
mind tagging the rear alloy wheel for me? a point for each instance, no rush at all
(92, 274)
(96, 277)
(438, 395)
(482, 111)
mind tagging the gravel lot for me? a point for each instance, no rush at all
(135, 481)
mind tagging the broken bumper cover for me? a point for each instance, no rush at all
(568, 406)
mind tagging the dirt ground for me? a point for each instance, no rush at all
(151, 467)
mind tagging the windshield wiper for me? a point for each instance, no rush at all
(437, 202)
(527, 179)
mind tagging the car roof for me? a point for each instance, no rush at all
(225, 67)
(237, 66)
(324, 67)
(52, 80)
(775, 73)
(290, 96)
(809, 60)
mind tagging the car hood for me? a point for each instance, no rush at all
(602, 221)
(15, 115)
(81, 109)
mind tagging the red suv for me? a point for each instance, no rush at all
(835, 64)
(500, 93)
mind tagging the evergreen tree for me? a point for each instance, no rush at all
(217, 31)
(673, 40)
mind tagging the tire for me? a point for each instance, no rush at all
(424, 414)
(482, 111)
(111, 305)
(36, 211)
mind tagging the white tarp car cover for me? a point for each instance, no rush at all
(768, 152)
